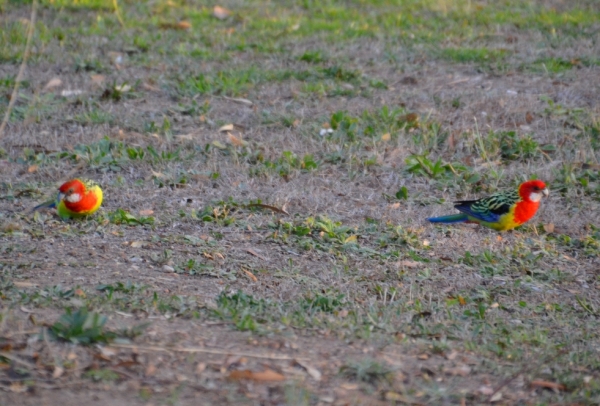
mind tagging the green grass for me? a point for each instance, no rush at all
(474, 55)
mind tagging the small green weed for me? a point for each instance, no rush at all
(121, 216)
(102, 375)
(326, 303)
(81, 327)
(312, 57)
(285, 165)
(242, 309)
(476, 55)
(367, 371)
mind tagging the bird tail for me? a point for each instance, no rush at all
(49, 204)
(452, 218)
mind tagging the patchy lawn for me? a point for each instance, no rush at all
(268, 168)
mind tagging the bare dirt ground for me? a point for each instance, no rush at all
(331, 289)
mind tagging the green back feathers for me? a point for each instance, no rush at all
(489, 209)
(497, 203)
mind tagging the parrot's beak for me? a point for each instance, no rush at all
(60, 196)
(545, 192)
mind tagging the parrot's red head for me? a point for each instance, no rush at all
(72, 191)
(533, 190)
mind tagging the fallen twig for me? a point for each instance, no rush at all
(267, 206)
(206, 351)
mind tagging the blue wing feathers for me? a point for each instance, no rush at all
(479, 215)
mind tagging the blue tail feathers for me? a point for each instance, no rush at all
(49, 204)
(452, 218)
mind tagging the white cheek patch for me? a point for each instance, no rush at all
(535, 197)
(73, 198)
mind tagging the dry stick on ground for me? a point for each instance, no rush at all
(16, 359)
(13, 96)
(206, 351)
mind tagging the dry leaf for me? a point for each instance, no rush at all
(352, 238)
(137, 244)
(235, 141)
(107, 353)
(217, 144)
(462, 301)
(268, 375)
(18, 388)
(97, 80)
(549, 228)
(426, 243)
(150, 370)
(548, 385)
(313, 372)
(122, 88)
(226, 127)
(20, 284)
(239, 100)
(184, 25)
(187, 137)
(158, 174)
(221, 13)
(52, 83)
(423, 356)
(79, 292)
(147, 86)
(250, 275)
(396, 397)
(201, 367)
(411, 118)
(394, 205)
(10, 227)
(485, 390)
(267, 206)
(256, 254)
(146, 212)
(386, 137)
(452, 355)
(407, 263)
(32, 169)
(528, 117)
(497, 396)
(460, 370)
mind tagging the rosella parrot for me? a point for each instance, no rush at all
(501, 211)
(76, 198)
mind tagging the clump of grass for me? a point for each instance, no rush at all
(474, 55)
(121, 216)
(367, 371)
(81, 327)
